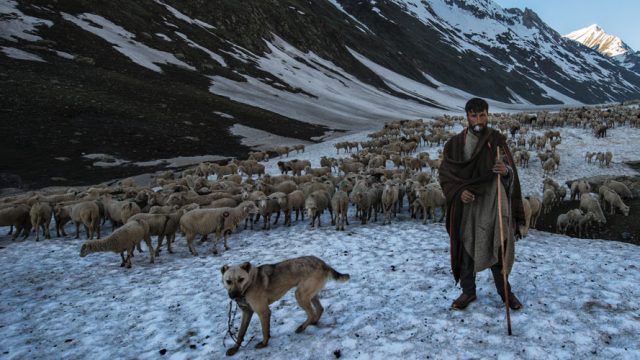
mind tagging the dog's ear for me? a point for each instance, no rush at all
(224, 268)
(246, 266)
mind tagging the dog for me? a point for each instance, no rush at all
(254, 288)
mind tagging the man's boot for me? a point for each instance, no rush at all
(463, 301)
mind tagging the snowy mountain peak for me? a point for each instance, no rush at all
(595, 37)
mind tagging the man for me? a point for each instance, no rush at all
(468, 175)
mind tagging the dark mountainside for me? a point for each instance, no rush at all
(99, 101)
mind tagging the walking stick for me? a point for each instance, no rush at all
(502, 244)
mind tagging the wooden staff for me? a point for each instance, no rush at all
(503, 245)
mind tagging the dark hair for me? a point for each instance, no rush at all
(476, 105)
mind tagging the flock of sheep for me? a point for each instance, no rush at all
(215, 199)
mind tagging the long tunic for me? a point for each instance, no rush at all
(480, 226)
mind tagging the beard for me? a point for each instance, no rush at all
(478, 129)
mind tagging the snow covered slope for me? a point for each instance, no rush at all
(595, 37)
(579, 295)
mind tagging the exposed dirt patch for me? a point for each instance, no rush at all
(618, 227)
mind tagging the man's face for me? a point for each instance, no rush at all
(478, 120)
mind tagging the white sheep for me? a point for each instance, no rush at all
(40, 214)
(208, 221)
(16, 216)
(122, 239)
(315, 204)
(614, 201)
(589, 203)
(608, 156)
(171, 228)
(389, 200)
(294, 201)
(157, 224)
(269, 205)
(431, 197)
(619, 188)
(340, 207)
(536, 206)
(523, 230)
(549, 166)
(86, 213)
(548, 199)
(583, 223)
(562, 223)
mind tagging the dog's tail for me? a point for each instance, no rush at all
(338, 276)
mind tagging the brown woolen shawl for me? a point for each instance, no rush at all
(457, 175)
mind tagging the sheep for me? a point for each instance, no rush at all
(122, 239)
(298, 148)
(578, 188)
(328, 162)
(157, 225)
(86, 213)
(614, 200)
(285, 187)
(548, 199)
(282, 150)
(620, 188)
(434, 165)
(561, 194)
(207, 221)
(251, 169)
(223, 170)
(113, 211)
(562, 223)
(40, 214)
(362, 200)
(315, 204)
(608, 156)
(172, 226)
(252, 196)
(16, 216)
(62, 216)
(549, 166)
(389, 201)
(127, 210)
(166, 209)
(350, 166)
(375, 195)
(589, 156)
(318, 172)
(224, 202)
(583, 222)
(536, 206)
(269, 205)
(258, 156)
(294, 201)
(340, 207)
(523, 230)
(589, 203)
(431, 197)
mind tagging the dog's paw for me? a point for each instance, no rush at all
(231, 351)
(300, 329)
(261, 345)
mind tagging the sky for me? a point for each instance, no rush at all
(616, 17)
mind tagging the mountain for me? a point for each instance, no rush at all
(596, 38)
(156, 79)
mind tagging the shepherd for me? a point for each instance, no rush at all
(471, 176)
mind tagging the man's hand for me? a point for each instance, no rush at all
(500, 168)
(467, 196)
